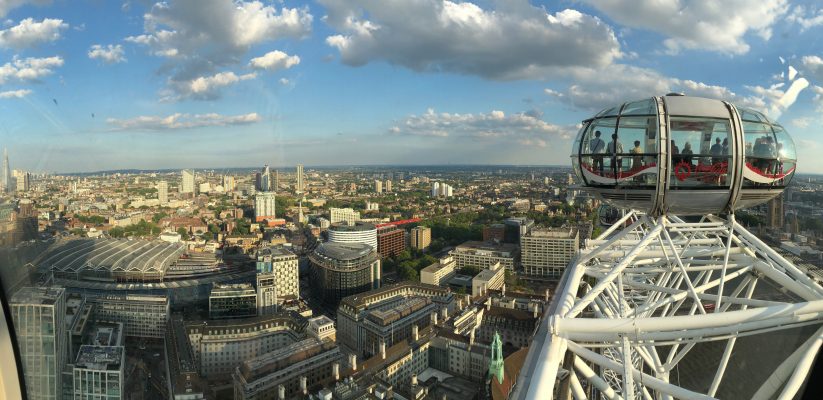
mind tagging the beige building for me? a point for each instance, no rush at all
(490, 278)
(343, 215)
(547, 252)
(278, 279)
(486, 254)
(421, 237)
(438, 273)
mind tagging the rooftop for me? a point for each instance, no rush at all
(552, 233)
(100, 357)
(362, 299)
(344, 251)
(487, 246)
(37, 295)
(357, 227)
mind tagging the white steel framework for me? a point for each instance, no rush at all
(652, 296)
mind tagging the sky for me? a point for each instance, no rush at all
(90, 85)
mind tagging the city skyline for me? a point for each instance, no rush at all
(333, 83)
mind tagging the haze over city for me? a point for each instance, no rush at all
(95, 86)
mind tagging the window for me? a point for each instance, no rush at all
(700, 153)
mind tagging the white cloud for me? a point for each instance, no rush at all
(18, 94)
(710, 25)
(513, 41)
(110, 54)
(29, 33)
(812, 67)
(274, 60)
(8, 5)
(28, 69)
(199, 38)
(594, 90)
(284, 81)
(806, 18)
(802, 123)
(206, 87)
(181, 121)
(522, 128)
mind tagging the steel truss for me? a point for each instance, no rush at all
(649, 291)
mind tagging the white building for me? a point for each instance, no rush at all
(372, 206)
(228, 183)
(343, 215)
(378, 186)
(441, 189)
(187, 181)
(163, 192)
(547, 252)
(359, 232)
(387, 185)
(264, 206)
(439, 272)
(277, 278)
(299, 186)
(490, 278)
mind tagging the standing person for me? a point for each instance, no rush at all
(596, 147)
(716, 151)
(687, 153)
(675, 153)
(726, 146)
(615, 148)
(637, 155)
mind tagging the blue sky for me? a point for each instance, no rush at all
(91, 85)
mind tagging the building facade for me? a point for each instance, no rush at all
(39, 323)
(420, 237)
(277, 278)
(486, 254)
(298, 187)
(391, 241)
(141, 315)
(264, 206)
(490, 278)
(237, 300)
(187, 181)
(347, 215)
(360, 232)
(547, 252)
(163, 192)
(439, 273)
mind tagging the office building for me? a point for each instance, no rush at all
(492, 277)
(264, 182)
(343, 269)
(264, 206)
(299, 185)
(142, 315)
(494, 233)
(516, 227)
(22, 180)
(237, 300)
(546, 252)
(289, 372)
(372, 206)
(98, 371)
(163, 192)
(420, 237)
(228, 183)
(387, 185)
(399, 365)
(774, 212)
(276, 180)
(378, 186)
(391, 241)
(187, 181)
(322, 327)
(439, 273)
(360, 232)
(460, 355)
(515, 327)
(219, 346)
(486, 254)
(347, 215)
(388, 314)
(277, 278)
(39, 324)
(441, 189)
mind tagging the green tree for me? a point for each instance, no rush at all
(184, 234)
(407, 272)
(157, 217)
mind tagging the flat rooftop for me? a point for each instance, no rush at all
(275, 251)
(552, 233)
(37, 295)
(100, 357)
(357, 227)
(344, 251)
(487, 246)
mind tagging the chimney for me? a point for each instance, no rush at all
(382, 350)
(303, 385)
(434, 317)
(468, 300)
(445, 313)
(488, 303)
(335, 371)
(414, 380)
(471, 337)
(353, 361)
(415, 333)
(534, 310)
(547, 295)
(281, 392)
(460, 304)
(503, 291)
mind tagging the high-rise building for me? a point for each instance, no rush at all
(277, 278)
(344, 269)
(486, 254)
(347, 215)
(187, 181)
(163, 192)
(387, 185)
(22, 179)
(39, 314)
(775, 212)
(435, 189)
(265, 179)
(441, 189)
(228, 183)
(391, 241)
(420, 237)
(142, 315)
(547, 252)
(232, 301)
(98, 370)
(264, 206)
(6, 171)
(299, 186)
(276, 180)
(378, 186)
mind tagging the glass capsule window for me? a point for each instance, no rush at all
(770, 155)
(700, 152)
(634, 151)
(597, 168)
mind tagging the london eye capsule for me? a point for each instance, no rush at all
(683, 155)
